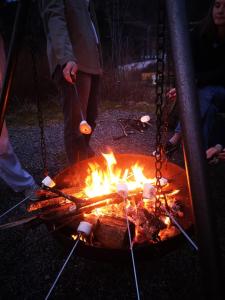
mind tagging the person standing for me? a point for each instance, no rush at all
(74, 55)
(11, 170)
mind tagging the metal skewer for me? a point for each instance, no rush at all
(84, 228)
(15, 206)
(84, 127)
(181, 229)
(48, 184)
(148, 192)
(123, 192)
(63, 267)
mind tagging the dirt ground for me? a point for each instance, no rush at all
(30, 257)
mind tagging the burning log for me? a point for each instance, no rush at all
(147, 225)
(92, 203)
(69, 211)
(90, 207)
(55, 213)
(111, 232)
(50, 203)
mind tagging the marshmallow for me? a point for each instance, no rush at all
(145, 119)
(84, 228)
(163, 181)
(148, 191)
(47, 181)
(85, 128)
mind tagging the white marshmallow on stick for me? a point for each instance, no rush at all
(84, 228)
(85, 128)
(47, 181)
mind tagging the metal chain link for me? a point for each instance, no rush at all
(169, 83)
(160, 67)
(37, 94)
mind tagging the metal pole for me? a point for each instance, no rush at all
(22, 6)
(194, 153)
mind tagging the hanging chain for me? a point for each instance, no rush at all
(33, 48)
(169, 83)
(160, 66)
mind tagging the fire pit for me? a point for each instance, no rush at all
(93, 182)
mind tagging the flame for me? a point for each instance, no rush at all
(103, 182)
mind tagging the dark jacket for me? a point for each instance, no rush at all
(209, 59)
(70, 35)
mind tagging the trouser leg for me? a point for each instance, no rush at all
(209, 109)
(92, 107)
(11, 170)
(75, 145)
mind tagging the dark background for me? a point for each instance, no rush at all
(127, 29)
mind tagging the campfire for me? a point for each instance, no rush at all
(93, 187)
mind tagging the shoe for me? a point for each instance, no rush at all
(171, 148)
(31, 192)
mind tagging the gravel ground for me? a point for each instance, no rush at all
(30, 257)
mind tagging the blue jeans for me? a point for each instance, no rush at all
(11, 170)
(211, 100)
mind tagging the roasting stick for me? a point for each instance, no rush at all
(84, 127)
(181, 229)
(84, 229)
(122, 190)
(15, 206)
(149, 192)
(48, 184)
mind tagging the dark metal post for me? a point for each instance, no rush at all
(194, 152)
(12, 58)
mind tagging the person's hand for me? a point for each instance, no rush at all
(172, 94)
(221, 155)
(70, 71)
(214, 151)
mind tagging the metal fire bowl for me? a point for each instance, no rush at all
(76, 174)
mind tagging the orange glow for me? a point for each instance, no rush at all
(103, 182)
(140, 206)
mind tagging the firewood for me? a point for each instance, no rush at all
(57, 212)
(46, 204)
(90, 207)
(85, 206)
(111, 233)
(63, 221)
(73, 191)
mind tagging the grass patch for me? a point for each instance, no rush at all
(26, 113)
